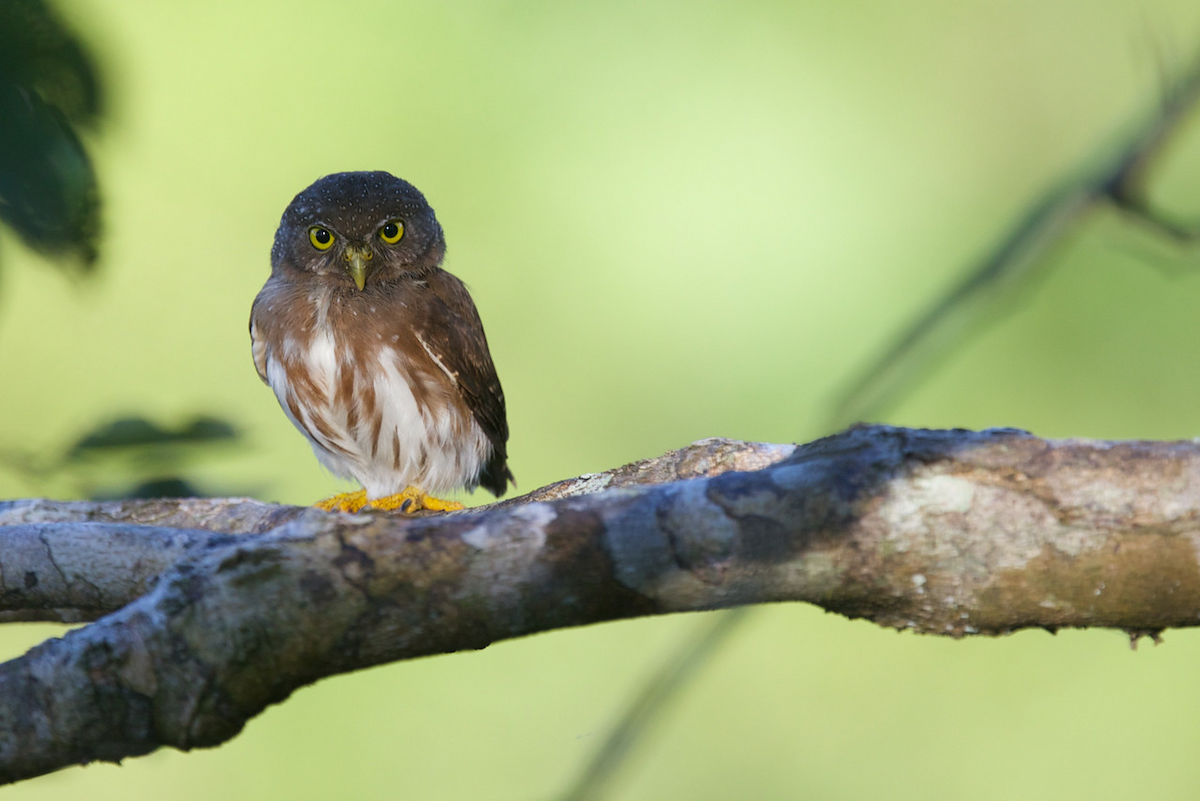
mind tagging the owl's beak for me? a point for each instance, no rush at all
(356, 265)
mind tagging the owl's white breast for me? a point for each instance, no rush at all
(436, 447)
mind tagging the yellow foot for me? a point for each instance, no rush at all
(413, 500)
(344, 502)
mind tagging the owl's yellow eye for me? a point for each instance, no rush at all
(320, 237)
(391, 231)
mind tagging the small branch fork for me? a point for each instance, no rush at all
(208, 611)
(1117, 180)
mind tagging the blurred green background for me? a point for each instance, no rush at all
(678, 220)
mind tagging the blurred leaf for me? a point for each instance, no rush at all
(165, 487)
(138, 432)
(48, 86)
(130, 457)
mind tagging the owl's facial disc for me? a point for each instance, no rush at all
(357, 264)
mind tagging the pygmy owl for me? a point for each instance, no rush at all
(376, 354)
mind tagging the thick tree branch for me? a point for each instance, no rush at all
(76, 561)
(947, 532)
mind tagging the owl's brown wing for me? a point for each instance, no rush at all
(453, 333)
(258, 346)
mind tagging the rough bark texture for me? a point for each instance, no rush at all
(215, 609)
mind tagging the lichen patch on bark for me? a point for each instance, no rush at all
(1143, 580)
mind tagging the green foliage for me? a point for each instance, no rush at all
(49, 87)
(137, 432)
(129, 457)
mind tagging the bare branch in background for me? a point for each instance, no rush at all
(1114, 181)
(941, 532)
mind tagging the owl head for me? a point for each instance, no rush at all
(357, 229)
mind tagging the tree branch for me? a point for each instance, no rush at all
(944, 532)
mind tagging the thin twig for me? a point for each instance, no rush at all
(1020, 256)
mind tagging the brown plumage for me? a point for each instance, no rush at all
(375, 353)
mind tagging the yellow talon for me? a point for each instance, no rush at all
(440, 504)
(414, 500)
(410, 500)
(344, 502)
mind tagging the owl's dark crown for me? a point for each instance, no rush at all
(354, 207)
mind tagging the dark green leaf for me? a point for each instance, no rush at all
(48, 85)
(137, 432)
(165, 487)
